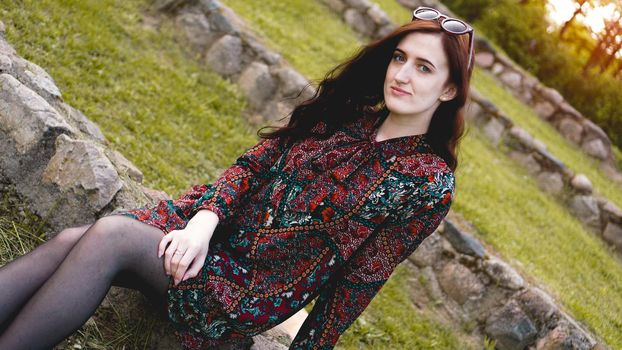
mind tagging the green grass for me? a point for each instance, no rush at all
(398, 13)
(178, 122)
(564, 150)
(20, 229)
(293, 29)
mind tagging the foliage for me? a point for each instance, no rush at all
(558, 64)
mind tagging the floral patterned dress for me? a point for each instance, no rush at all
(318, 218)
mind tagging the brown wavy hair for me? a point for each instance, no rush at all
(354, 89)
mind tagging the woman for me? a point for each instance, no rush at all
(325, 206)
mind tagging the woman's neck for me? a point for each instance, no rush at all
(398, 125)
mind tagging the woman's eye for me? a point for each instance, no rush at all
(398, 57)
(426, 67)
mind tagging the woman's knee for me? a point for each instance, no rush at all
(71, 235)
(121, 235)
(109, 229)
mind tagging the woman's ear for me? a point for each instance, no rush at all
(449, 93)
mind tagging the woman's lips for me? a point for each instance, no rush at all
(399, 92)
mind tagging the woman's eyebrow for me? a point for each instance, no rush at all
(418, 58)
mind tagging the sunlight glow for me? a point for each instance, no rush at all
(559, 11)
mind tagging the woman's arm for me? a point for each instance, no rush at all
(208, 204)
(347, 295)
(224, 196)
(204, 218)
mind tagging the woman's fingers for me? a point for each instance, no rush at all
(180, 261)
(184, 254)
(193, 271)
(168, 256)
(163, 242)
(181, 267)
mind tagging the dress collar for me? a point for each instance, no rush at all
(396, 146)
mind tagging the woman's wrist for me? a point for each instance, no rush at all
(204, 218)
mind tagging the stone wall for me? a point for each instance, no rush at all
(227, 46)
(548, 103)
(598, 214)
(55, 156)
(363, 16)
(458, 279)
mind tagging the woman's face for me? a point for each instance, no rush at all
(420, 68)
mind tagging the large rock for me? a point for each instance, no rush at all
(428, 252)
(511, 79)
(613, 235)
(81, 169)
(550, 182)
(494, 129)
(581, 184)
(35, 78)
(460, 283)
(5, 63)
(504, 275)
(361, 23)
(596, 148)
(585, 208)
(258, 84)
(25, 116)
(461, 241)
(511, 328)
(197, 29)
(225, 56)
(570, 129)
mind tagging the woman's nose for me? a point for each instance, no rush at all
(403, 74)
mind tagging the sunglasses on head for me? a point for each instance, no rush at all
(448, 24)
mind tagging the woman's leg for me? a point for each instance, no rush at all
(112, 246)
(23, 276)
(28, 272)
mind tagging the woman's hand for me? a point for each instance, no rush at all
(187, 248)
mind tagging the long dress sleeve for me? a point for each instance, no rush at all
(224, 195)
(348, 293)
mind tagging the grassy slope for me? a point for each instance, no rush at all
(529, 229)
(537, 235)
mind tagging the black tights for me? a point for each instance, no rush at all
(49, 293)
